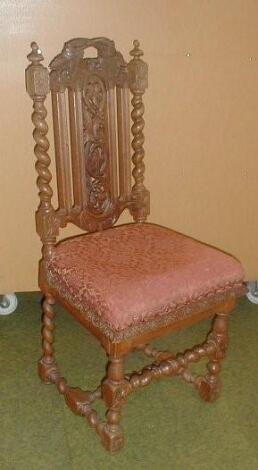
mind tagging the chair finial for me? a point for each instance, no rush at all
(35, 56)
(136, 52)
(138, 70)
(37, 78)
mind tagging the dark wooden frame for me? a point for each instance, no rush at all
(68, 72)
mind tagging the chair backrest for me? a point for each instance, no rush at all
(91, 122)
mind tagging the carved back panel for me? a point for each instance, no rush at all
(90, 99)
(91, 121)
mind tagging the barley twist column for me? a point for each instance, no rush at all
(138, 82)
(47, 367)
(37, 83)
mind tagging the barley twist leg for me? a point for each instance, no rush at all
(209, 387)
(47, 366)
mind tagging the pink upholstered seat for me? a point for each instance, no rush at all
(138, 276)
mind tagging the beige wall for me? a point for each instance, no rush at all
(201, 116)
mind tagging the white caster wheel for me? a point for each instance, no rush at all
(252, 295)
(8, 304)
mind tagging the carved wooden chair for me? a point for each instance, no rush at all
(127, 284)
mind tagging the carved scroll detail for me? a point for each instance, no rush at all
(92, 83)
(95, 148)
(68, 67)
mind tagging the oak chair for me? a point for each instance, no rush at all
(127, 284)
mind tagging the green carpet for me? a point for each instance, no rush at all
(167, 426)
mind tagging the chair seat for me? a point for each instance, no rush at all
(137, 277)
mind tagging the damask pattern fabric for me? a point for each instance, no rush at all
(134, 277)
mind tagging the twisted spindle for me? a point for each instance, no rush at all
(40, 150)
(138, 72)
(47, 330)
(137, 142)
(170, 366)
(150, 351)
(37, 82)
(47, 367)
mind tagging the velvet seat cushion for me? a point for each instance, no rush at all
(137, 276)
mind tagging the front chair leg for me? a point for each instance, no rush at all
(114, 397)
(210, 386)
(47, 367)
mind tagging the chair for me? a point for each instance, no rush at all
(127, 284)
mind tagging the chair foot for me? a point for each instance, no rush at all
(208, 392)
(112, 439)
(48, 372)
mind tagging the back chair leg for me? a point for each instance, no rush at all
(47, 367)
(114, 397)
(210, 386)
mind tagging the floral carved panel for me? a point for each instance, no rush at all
(95, 144)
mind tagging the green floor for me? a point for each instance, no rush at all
(167, 426)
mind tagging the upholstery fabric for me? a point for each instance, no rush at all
(138, 276)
